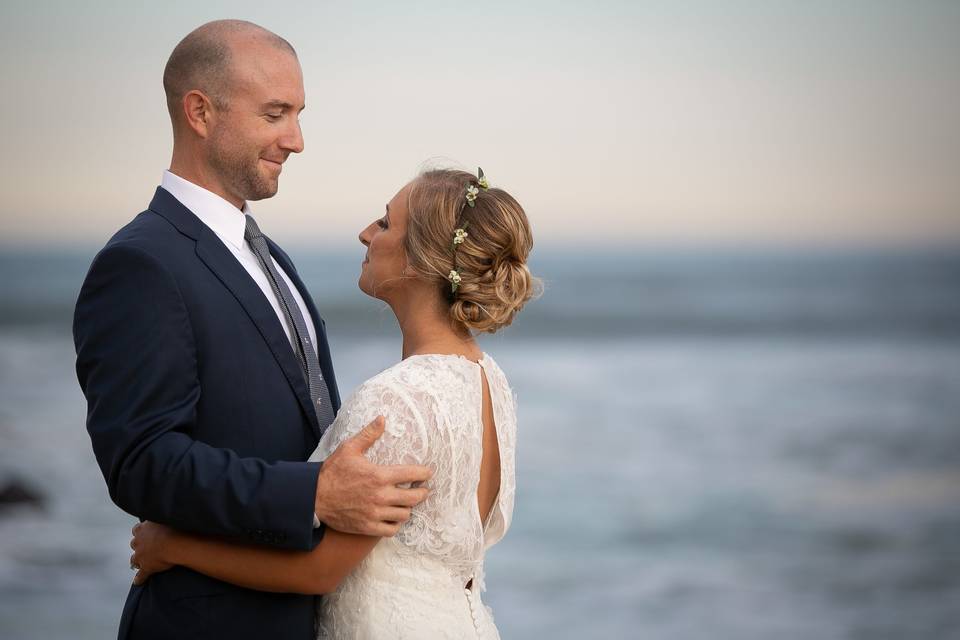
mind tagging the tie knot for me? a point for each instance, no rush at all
(252, 230)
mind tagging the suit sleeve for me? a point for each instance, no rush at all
(137, 365)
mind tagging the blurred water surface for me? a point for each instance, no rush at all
(713, 444)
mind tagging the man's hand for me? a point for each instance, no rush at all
(355, 495)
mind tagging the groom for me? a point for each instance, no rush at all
(204, 361)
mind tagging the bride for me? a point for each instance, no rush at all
(449, 258)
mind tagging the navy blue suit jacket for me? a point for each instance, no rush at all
(199, 415)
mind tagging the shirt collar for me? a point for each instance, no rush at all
(223, 218)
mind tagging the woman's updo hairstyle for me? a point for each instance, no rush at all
(495, 282)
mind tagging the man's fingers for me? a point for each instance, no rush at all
(368, 435)
(400, 473)
(391, 515)
(406, 497)
(386, 529)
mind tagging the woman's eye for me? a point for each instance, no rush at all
(382, 223)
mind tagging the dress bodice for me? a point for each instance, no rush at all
(433, 406)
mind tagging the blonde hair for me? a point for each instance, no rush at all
(492, 261)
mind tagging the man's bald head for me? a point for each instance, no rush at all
(202, 61)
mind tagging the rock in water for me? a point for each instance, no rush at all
(14, 493)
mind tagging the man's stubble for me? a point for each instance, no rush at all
(239, 167)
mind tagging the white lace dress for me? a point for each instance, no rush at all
(414, 585)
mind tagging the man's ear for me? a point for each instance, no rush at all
(198, 112)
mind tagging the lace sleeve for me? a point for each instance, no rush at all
(405, 439)
(418, 431)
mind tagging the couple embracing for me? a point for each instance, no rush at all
(267, 509)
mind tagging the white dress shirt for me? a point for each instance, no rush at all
(229, 223)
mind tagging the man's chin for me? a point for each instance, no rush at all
(266, 189)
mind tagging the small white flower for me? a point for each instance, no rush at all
(482, 179)
(459, 236)
(454, 277)
(472, 192)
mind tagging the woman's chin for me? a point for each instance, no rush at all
(364, 285)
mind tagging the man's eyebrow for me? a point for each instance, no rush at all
(280, 104)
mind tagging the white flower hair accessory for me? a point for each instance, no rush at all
(459, 235)
(482, 179)
(454, 278)
(473, 191)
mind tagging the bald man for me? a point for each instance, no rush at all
(205, 363)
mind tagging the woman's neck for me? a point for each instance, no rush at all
(426, 327)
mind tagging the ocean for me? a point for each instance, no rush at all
(718, 444)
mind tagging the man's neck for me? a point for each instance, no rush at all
(202, 177)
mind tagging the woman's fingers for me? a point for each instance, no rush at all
(142, 574)
(133, 532)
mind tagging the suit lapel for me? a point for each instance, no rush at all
(215, 255)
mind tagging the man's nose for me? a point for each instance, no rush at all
(293, 140)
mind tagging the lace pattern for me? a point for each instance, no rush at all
(433, 410)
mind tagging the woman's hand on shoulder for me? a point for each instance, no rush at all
(151, 545)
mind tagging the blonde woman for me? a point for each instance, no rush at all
(449, 258)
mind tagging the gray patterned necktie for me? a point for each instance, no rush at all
(305, 353)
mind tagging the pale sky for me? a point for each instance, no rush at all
(807, 122)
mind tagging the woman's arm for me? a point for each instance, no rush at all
(158, 547)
